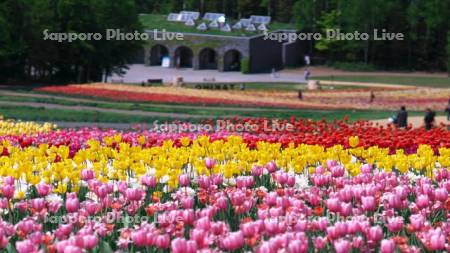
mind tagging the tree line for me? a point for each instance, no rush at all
(424, 24)
(25, 55)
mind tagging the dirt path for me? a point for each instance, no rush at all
(416, 121)
(96, 109)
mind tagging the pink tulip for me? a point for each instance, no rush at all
(395, 224)
(210, 163)
(134, 194)
(333, 204)
(357, 242)
(22, 206)
(257, 171)
(441, 194)
(87, 174)
(9, 180)
(297, 246)
(139, 238)
(26, 246)
(184, 180)
(72, 249)
(8, 191)
(342, 246)
(368, 203)
(437, 242)
(102, 191)
(271, 166)
(148, 181)
(375, 233)
(91, 207)
(38, 204)
(337, 171)
(233, 241)
(222, 203)
(72, 204)
(387, 246)
(162, 241)
(422, 201)
(43, 189)
(319, 242)
(417, 221)
(90, 241)
(331, 163)
(181, 245)
(188, 216)
(187, 203)
(366, 168)
(203, 223)
(53, 207)
(63, 231)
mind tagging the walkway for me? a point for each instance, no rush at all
(138, 73)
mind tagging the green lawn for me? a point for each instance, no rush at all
(52, 115)
(42, 114)
(438, 82)
(159, 22)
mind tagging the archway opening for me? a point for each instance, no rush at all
(183, 57)
(207, 59)
(232, 60)
(157, 54)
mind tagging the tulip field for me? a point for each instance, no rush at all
(294, 186)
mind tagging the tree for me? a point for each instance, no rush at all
(26, 55)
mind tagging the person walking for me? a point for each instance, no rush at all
(306, 74)
(429, 119)
(372, 97)
(307, 60)
(402, 118)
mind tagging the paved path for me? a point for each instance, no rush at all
(139, 73)
(416, 121)
(93, 108)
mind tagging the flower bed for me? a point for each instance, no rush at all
(327, 187)
(389, 99)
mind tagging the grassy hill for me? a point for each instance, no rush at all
(159, 22)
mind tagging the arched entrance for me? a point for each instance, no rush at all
(232, 60)
(157, 53)
(183, 57)
(207, 59)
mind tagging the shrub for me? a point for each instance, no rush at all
(245, 65)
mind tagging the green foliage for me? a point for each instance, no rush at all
(328, 21)
(245, 65)
(25, 54)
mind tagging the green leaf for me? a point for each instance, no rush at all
(10, 248)
(105, 247)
